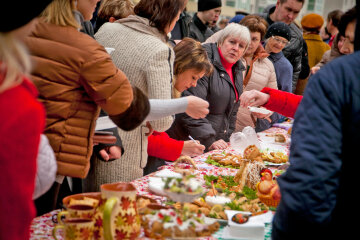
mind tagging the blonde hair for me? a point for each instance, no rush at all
(14, 61)
(60, 12)
(116, 8)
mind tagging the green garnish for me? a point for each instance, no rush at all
(249, 193)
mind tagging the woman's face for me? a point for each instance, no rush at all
(254, 43)
(348, 44)
(341, 43)
(87, 8)
(276, 44)
(232, 49)
(188, 79)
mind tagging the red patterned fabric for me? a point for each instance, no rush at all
(21, 123)
(282, 102)
(160, 145)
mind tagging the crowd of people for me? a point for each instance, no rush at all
(161, 77)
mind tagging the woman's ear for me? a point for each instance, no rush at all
(112, 19)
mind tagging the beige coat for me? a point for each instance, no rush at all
(142, 54)
(262, 75)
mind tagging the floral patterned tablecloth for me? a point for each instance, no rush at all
(41, 227)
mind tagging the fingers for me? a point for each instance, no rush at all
(104, 155)
(114, 152)
(197, 107)
(218, 145)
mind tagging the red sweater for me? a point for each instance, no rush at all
(21, 123)
(228, 67)
(282, 102)
(160, 145)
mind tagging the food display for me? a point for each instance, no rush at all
(227, 160)
(190, 199)
(252, 153)
(244, 199)
(169, 223)
(185, 185)
(275, 157)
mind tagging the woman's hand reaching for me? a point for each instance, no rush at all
(253, 98)
(197, 108)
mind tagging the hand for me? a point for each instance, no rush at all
(314, 70)
(262, 116)
(151, 130)
(219, 144)
(253, 98)
(192, 149)
(197, 108)
(112, 152)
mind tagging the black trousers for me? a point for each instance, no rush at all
(153, 165)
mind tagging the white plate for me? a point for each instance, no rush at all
(260, 110)
(165, 173)
(271, 139)
(156, 185)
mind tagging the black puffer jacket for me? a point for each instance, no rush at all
(219, 91)
(294, 51)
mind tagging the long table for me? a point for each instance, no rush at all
(41, 227)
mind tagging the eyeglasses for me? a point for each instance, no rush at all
(278, 40)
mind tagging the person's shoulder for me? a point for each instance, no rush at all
(266, 63)
(342, 70)
(295, 30)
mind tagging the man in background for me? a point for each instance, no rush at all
(286, 11)
(206, 17)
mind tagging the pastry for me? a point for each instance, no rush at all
(280, 138)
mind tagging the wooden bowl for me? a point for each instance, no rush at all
(79, 196)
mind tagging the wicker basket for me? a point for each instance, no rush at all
(269, 201)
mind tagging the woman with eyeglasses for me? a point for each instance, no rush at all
(277, 37)
(260, 73)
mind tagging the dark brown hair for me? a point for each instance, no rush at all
(284, 1)
(159, 12)
(348, 17)
(189, 54)
(335, 16)
(255, 24)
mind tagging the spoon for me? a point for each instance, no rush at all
(242, 218)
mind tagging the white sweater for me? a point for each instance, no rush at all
(142, 53)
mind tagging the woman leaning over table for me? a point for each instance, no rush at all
(221, 89)
(141, 51)
(21, 124)
(75, 77)
(191, 64)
